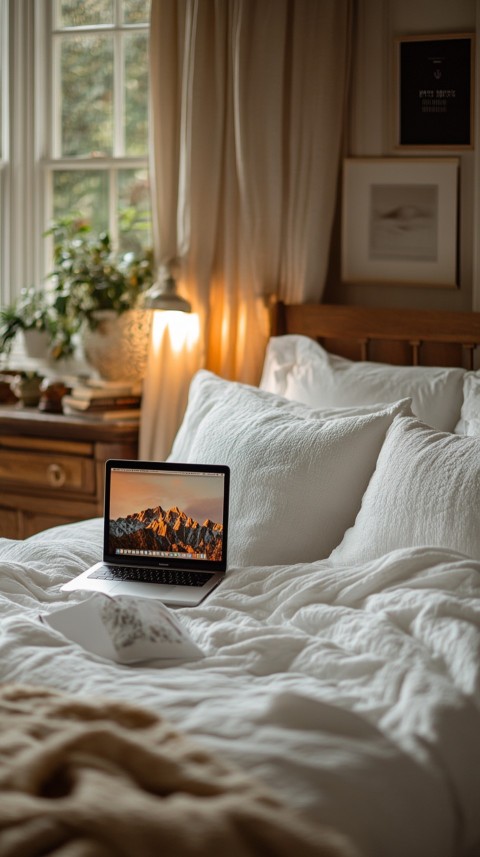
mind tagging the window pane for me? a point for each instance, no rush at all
(136, 94)
(87, 86)
(136, 11)
(84, 192)
(134, 222)
(86, 13)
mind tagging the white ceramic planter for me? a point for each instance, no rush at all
(118, 347)
(35, 344)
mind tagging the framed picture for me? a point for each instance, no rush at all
(434, 83)
(399, 221)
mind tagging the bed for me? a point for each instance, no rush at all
(336, 710)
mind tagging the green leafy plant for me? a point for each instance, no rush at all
(87, 278)
(34, 310)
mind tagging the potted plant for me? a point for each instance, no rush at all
(27, 387)
(34, 314)
(88, 290)
(99, 294)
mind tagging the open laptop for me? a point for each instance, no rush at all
(165, 532)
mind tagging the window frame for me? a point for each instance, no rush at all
(4, 100)
(29, 156)
(19, 241)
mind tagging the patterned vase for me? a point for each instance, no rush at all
(118, 347)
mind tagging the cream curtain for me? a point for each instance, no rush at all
(247, 101)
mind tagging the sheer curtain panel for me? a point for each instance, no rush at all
(247, 105)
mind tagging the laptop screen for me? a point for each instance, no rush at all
(166, 514)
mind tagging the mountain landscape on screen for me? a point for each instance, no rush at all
(160, 530)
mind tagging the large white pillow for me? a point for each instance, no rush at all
(297, 479)
(425, 491)
(299, 368)
(469, 422)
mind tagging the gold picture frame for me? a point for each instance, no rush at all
(400, 221)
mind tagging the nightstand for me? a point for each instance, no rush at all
(52, 467)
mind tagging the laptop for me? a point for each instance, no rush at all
(165, 532)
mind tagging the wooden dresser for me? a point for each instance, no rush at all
(52, 467)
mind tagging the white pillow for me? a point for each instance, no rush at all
(297, 480)
(469, 422)
(299, 368)
(425, 491)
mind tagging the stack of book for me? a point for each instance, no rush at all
(104, 400)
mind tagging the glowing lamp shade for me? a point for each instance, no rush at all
(175, 331)
(173, 358)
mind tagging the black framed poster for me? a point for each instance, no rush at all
(435, 91)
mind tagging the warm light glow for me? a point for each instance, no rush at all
(242, 328)
(182, 329)
(225, 330)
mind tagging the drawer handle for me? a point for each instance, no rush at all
(56, 475)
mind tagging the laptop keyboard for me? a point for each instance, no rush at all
(171, 577)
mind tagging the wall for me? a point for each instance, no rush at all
(371, 119)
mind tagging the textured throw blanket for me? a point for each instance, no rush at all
(98, 778)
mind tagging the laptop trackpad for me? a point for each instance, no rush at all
(142, 590)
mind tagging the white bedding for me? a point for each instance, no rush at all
(354, 692)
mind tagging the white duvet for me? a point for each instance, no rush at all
(354, 692)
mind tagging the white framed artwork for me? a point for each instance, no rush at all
(400, 221)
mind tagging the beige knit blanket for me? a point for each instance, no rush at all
(98, 778)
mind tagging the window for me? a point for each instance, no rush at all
(78, 127)
(99, 129)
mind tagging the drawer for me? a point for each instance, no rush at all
(55, 472)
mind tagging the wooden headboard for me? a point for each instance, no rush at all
(399, 336)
